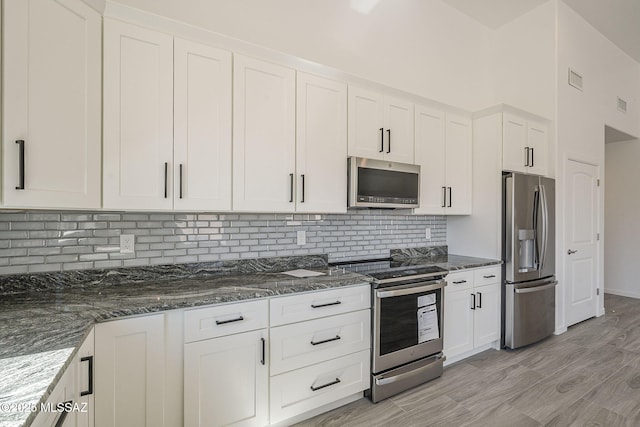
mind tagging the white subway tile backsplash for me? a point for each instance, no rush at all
(54, 241)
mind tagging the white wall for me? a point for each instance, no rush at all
(523, 62)
(420, 46)
(622, 211)
(582, 115)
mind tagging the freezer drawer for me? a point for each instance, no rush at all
(529, 312)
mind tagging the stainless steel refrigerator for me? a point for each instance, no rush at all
(528, 251)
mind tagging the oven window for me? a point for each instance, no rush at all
(386, 183)
(399, 320)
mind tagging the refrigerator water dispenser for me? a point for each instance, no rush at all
(527, 259)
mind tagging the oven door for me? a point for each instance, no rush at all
(407, 323)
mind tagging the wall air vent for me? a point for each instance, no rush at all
(575, 79)
(622, 105)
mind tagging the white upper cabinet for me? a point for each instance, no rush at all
(443, 145)
(202, 127)
(524, 145)
(458, 164)
(138, 118)
(321, 144)
(51, 102)
(264, 132)
(167, 136)
(380, 127)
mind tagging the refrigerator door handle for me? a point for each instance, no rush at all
(535, 288)
(545, 227)
(536, 242)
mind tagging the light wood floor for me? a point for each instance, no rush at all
(589, 375)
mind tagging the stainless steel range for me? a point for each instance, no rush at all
(407, 324)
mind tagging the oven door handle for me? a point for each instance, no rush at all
(431, 286)
(400, 377)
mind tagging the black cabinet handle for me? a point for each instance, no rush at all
(473, 303)
(181, 180)
(381, 140)
(222, 322)
(20, 142)
(166, 176)
(337, 381)
(444, 197)
(479, 299)
(491, 276)
(526, 154)
(326, 305)
(262, 361)
(302, 200)
(89, 390)
(449, 205)
(336, 338)
(532, 162)
(388, 140)
(290, 188)
(63, 415)
(458, 282)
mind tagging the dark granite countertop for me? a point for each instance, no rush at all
(45, 317)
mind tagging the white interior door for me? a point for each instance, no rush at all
(580, 241)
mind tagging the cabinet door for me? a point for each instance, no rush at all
(487, 314)
(458, 323)
(366, 123)
(398, 130)
(202, 126)
(537, 135)
(129, 372)
(138, 117)
(84, 364)
(514, 141)
(430, 155)
(226, 381)
(321, 144)
(263, 136)
(63, 394)
(52, 101)
(458, 165)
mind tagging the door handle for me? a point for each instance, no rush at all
(388, 140)
(444, 197)
(479, 299)
(302, 200)
(449, 205)
(570, 251)
(89, 390)
(290, 188)
(166, 177)
(20, 143)
(181, 180)
(381, 140)
(526, 153)
(473, 301)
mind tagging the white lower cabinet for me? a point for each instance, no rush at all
(63, 394)
(226, 381)
(472, 311)
(130, 372)
(308, 388)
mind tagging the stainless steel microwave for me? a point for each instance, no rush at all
(382, 184)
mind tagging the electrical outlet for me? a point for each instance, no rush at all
(302, 238)
(127, 242)
(427, 233)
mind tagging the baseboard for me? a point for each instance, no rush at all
(622, 293)
(321, 410)
(560, 330)
(459, 357)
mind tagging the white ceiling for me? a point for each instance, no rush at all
(617, 20)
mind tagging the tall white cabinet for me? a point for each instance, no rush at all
(443, 149)
(167, 113)
(52, 104)
(524, 144)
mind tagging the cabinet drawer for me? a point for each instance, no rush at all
(487, 276)
(217, 321)
(301, 344)
(312, 305)
(308, 388)
(459, 280)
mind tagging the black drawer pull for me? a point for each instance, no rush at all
(325, 305)
(20, 142)
(473, 303)
(89, 390)
(65, 412)
(479, 299)
(222, 322)
(262, 361)
(491, 276)
(337, 381)
(458, 282)
(336, 338)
